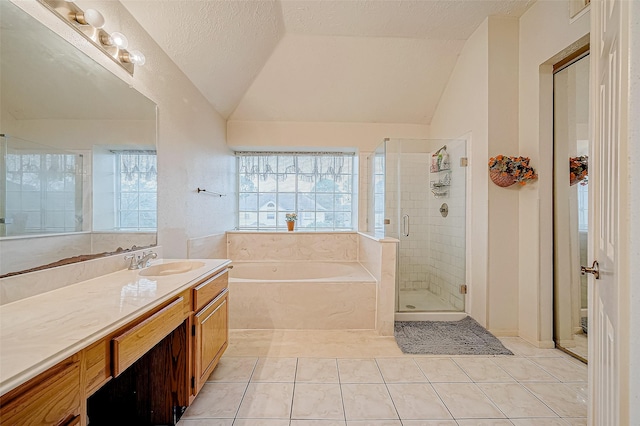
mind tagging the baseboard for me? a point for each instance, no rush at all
(504, 333)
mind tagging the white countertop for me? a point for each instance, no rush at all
(38, 332)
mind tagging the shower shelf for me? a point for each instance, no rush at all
(439, 193)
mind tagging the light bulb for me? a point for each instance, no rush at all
(115, 39)
(90, 17)
(119, 40)
(136, 57)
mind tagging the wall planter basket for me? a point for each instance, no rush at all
(506, 171)
(503, 180)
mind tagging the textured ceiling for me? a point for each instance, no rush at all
(318, 60)
(220, 45)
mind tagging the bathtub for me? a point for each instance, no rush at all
(301, 295)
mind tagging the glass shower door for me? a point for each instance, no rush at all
(425, 204)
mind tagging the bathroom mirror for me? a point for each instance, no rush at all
(78, 171)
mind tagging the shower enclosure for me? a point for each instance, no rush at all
(418, 195)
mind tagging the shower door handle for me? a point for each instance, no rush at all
(405, 225)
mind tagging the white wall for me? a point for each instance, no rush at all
(481, 98)
(463, 109)
(364, 136)
(546, 36)
(192, 150)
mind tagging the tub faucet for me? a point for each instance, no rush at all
(140, 261)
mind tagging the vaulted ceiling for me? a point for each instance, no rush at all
(379, 61)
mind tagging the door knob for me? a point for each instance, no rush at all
(595, 270)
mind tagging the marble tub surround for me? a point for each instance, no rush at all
(292, 246)
(42, 330)
(302, 305)
(336, 303)
(378, 256)
(33, 283)
(207, 247)
(296, 295)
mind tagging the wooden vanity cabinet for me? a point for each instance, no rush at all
(155, 366)
(210, 327)
(51, 398)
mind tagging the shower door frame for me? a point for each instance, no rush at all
(433, 314)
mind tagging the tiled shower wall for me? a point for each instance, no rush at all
(414, 249)
(446, 257)
(433, 255)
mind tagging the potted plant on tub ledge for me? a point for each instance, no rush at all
(505, 171)
(291, 218)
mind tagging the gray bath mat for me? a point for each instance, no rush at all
(464, 337)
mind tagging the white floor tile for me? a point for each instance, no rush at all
(566, 402)
(359, 371)
(524, 370)
(539, 422)
(317, 401)
(466, 400)
(273, 391)
(267, 401)
(206, 422)
(275, 370)
(216, 400)
(260, 422)
(483, 370)
(515, 401)
(563, 369)
(400, 370)
(442, 370)
(580, 421)
(233, 369)
(367, 402)
(417, 402)
(317, 370)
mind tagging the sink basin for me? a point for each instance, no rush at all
(170, 268)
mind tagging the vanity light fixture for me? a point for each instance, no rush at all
(134, 57)
(116, 39)
(89, 24)
(90, 17)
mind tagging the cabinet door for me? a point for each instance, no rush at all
(211, 337)
(52, 398)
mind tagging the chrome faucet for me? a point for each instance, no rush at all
(140, 261)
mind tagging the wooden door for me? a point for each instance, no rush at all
(211, 337)
(609, 41)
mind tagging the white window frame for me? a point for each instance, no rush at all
(308, 220)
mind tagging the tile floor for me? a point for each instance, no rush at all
(271, 383)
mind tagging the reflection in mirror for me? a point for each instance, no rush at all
(571, 150)
(42, 189)
(78, 173)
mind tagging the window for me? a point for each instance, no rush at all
(317, 186)
(124, 189)
(136, 190)
(43, 192)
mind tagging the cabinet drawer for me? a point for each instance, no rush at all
(52, 398)
(208, 290)
(135, 342)
(96, 366)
